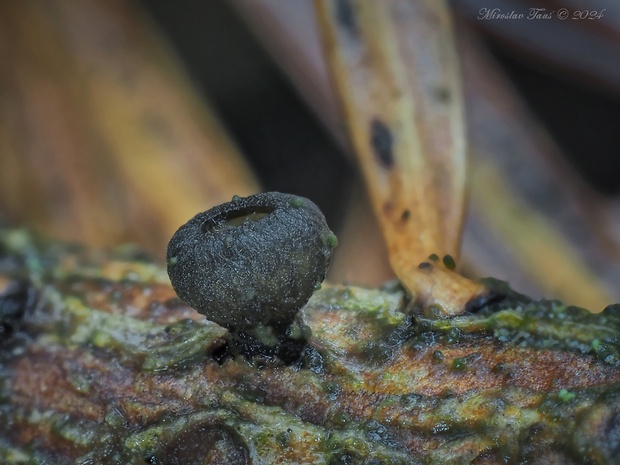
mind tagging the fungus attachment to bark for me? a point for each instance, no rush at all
(250, 264)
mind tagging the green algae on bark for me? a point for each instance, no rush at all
(101, 363)
(543, 324)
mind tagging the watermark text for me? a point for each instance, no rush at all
(538, 14)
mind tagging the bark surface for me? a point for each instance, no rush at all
(100, 362)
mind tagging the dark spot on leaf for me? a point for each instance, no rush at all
(449, 262)
(442, 94)
(406, 215)
(345, 15)
(425, 266)
(382, 143)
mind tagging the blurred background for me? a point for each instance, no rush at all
(119, 120)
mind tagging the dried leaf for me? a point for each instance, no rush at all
(104, 138)
(396, 73)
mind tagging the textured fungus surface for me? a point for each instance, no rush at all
(101, 363)
(254, 260)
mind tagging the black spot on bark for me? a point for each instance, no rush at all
(382, 143)
(15, 299)
(483, 300)
(345, 15)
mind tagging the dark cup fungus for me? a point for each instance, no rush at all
(252, 263)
